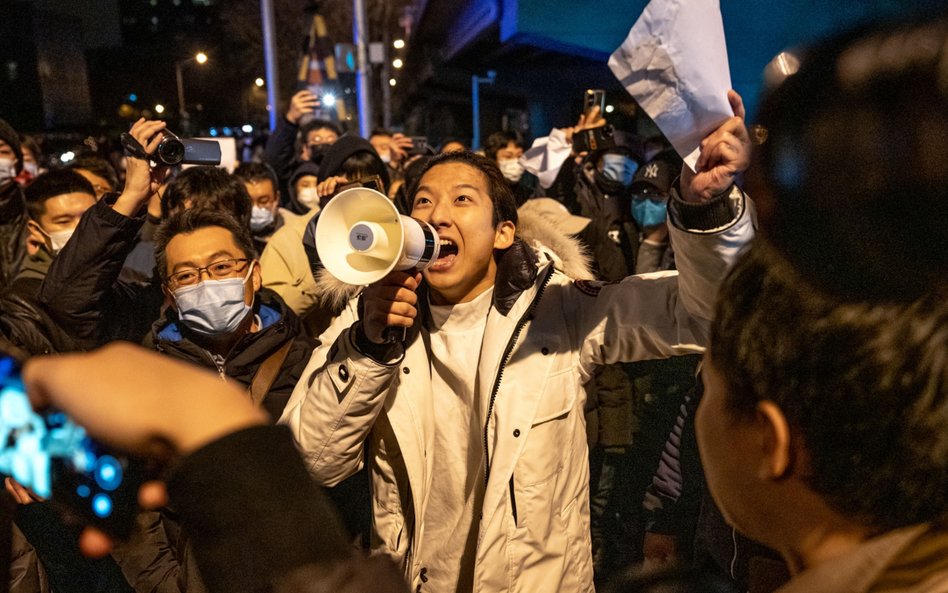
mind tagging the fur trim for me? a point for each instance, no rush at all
(333, 293)
(567, 253)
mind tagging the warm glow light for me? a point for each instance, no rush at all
(258, 82)
(399, 43)
(392, 82)
(398, 63)
(159, 108)
(201, 57)
(610, 108)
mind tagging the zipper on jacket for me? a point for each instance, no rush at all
(219, 362)
(508, 352)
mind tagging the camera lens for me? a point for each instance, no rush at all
(170, 151)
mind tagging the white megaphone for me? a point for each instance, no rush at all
(361, 237)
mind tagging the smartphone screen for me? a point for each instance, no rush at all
(55, 458)
(419, 145)
(594, 98)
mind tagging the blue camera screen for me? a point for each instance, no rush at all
(29, 442)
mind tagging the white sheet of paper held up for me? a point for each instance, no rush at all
(674, 64)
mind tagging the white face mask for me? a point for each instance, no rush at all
(31, 168)
(261, 218)
(56, 240)
(308, 198)
(512, 169)
(7, 170)
(386, 158)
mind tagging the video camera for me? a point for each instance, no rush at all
(173, 150)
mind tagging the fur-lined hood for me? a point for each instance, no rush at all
(547, 240)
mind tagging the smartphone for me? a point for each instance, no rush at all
(594, 98)
(419, 145)
(54, 457)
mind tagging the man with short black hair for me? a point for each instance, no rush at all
(218, 314)
(263, 188)
(55, 201)
(473, 428)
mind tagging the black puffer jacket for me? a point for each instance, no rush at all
(12, 224)
(23, 321)
(278, 325)
(82, 290)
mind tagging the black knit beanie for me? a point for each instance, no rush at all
(9, 135)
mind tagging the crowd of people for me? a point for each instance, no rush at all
(511, 440)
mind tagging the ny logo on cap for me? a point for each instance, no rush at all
(651, 171)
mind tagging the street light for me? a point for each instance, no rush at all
(399, 43)
(200, 58)
(159, 108)
(258, 82)
(398, 63)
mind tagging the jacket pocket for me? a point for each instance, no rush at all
(543, 455)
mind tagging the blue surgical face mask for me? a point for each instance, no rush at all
(213, 307)
(649, 212)
(618, 167)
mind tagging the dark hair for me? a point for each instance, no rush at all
(51, 184)
(317, 124)
(98, 167)
(452, 140)
(31, 143)
(250, 172)
(499, 140)
(865, 385)
(208, 188)
(192, 219)
(851, 173)
(360, 164)
(381, 132)
(505, 205)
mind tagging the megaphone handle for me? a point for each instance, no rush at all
(394, 334)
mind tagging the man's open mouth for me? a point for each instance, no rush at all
(447, 251)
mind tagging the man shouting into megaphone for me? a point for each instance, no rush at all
(472, 428)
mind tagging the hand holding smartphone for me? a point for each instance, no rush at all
(594, 98)
(53, 457)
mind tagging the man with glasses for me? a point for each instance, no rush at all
(219, 315)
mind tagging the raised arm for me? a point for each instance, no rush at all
(82, 291)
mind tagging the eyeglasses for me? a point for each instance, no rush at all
(224, 268)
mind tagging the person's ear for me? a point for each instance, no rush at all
(256, 277)
(169, 298)
(35, 239)
(504, 235)
(775, 449)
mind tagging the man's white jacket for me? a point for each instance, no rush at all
(546, 333)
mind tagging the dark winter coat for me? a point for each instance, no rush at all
(278, 325)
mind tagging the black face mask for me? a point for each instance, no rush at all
(317, 152)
